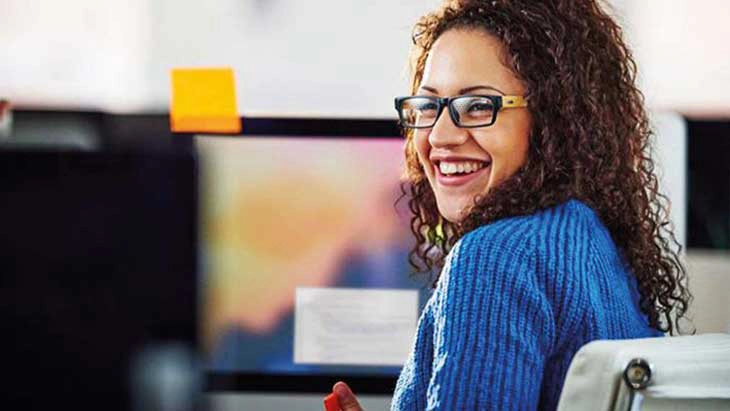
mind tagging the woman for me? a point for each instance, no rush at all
(532, 188)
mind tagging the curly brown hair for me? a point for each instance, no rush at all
(593, 145)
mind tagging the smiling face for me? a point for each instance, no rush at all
(461, 163)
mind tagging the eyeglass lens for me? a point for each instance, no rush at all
(470, 111)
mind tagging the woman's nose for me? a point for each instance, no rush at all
(445, 133)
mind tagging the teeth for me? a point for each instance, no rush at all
(460, 166)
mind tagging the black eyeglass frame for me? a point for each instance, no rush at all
(498, 103)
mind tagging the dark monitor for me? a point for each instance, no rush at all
(98, 267)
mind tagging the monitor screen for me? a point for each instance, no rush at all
(284, 214)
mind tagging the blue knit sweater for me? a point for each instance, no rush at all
(516, 299)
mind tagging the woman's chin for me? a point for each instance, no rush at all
(455, 209)
(453, 213)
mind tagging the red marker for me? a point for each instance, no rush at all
(331, 403)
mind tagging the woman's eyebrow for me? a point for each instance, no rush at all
(466, 90)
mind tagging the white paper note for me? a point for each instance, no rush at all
(354, 326)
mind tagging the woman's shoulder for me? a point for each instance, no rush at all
(570, 220)
(559, 244)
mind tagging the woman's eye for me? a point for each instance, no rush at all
(476, 107)
(427, 110)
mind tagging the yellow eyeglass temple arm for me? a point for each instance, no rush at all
(513, 101)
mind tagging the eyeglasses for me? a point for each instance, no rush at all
(466, 111)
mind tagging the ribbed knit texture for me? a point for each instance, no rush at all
(516, 299)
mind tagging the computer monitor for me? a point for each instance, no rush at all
(294, 204)
(98, 261)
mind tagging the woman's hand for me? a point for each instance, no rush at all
(347, 400)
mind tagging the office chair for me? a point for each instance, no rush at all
(671, 373)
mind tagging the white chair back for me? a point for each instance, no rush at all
(669, 373)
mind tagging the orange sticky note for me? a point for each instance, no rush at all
(204, 100)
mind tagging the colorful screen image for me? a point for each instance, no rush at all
(282, 213)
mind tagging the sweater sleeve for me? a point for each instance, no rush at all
(493, 325)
